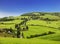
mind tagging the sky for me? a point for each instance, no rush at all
(18, 7)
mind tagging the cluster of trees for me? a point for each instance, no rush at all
(42, 13)
(17, 26)
(27, 14)
(47, 19)
(19, 30)
(32, 14)
(36, 16)
(6, 30)
(7, 18)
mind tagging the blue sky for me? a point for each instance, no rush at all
(17, 7)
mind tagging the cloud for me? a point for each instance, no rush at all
(6, 14)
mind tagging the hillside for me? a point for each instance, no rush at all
(35, 27)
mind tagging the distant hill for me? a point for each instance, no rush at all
(41, 13)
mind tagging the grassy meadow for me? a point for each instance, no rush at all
(48, 30)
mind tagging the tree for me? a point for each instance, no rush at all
(11, 17)
(4, 19)
(18, 30)
(27, 27)
(47, 20)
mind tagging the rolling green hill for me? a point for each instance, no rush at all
(35, 28)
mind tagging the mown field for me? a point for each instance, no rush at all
(39, 31)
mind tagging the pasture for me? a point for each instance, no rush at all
(35, 29)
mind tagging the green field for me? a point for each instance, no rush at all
(35, 26)
(26, 41)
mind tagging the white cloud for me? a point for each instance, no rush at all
(6, 14)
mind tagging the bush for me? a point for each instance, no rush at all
(51, 32)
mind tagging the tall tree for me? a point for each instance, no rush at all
(18, 30)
